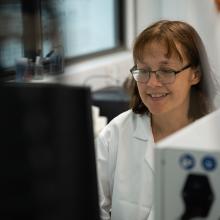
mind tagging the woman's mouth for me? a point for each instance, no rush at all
(157, 96)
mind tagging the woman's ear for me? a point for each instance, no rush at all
(196, 76)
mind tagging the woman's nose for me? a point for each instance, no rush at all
(153, 81)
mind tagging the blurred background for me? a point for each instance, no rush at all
(94, 37)
(89, 42)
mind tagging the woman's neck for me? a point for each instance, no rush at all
(163, 126)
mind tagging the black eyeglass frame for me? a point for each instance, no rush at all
(134, 68)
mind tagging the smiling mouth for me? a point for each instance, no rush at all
(157, 95)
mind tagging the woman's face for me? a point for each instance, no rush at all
(163, 99)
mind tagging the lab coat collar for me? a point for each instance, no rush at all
(143, 132)
(142, 128)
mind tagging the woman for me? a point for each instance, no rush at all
(170, 89)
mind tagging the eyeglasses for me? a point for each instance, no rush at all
(163, 76)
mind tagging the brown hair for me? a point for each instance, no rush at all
(171, 33)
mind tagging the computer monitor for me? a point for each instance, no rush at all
(47, 157)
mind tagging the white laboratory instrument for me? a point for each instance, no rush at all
(187, 172)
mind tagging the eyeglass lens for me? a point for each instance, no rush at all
(162, 76)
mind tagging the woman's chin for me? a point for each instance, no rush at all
(156, 111)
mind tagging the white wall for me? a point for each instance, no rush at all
(147, 12)
(203, 16)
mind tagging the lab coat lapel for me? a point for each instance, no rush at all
(143, 132)
(149, 155)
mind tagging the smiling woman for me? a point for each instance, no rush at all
(170, 97)
(177, 45)
(172, 86)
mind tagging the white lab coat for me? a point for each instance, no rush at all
(124, 151)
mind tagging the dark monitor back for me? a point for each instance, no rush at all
(111, 100)
(47, 158)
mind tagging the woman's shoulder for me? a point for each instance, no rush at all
(127, 120)
(123, 118)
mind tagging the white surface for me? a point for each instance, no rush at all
(171, 178)
(148, 11)
(199, 139)
(202, 134)
(99, 122)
